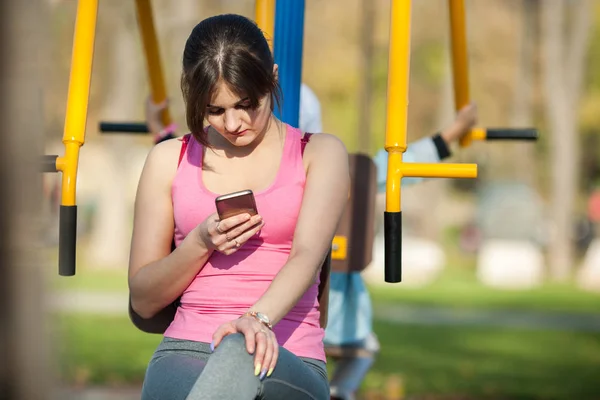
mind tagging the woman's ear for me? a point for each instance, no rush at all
(276, 71)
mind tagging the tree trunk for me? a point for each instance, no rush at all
(23, 337)
(563, 74)
(522, 102)
(366, 83)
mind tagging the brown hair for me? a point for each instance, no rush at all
(230, 48)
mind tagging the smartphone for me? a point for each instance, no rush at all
(236, 203)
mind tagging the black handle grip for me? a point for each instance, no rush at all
(511, 134)
(67, 240)
(48, 163)
(123, 127)
(392, 227)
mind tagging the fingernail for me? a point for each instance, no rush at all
(270, 372)
(212, 346)
(262, 374)
(257, 369)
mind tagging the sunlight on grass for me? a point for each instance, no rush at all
(460, 288)
(466, 361)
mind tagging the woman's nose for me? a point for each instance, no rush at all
(232, 121)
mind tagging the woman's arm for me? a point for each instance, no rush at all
(158, 276)
(325, 196)
(154, 123)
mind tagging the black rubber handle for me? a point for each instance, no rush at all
(48, 163)
(511, 134)
(123, 127)
(392, 227)
(67, 240)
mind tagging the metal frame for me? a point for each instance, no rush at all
(283, 23)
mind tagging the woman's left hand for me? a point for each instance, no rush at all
(260, 341)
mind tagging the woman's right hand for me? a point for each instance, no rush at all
(228, 235)
(154, 115)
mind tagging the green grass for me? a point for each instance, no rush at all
(460, 288)
(95, 280)
(446, 361)
(95, 349)
(487, 362)
(455, 288)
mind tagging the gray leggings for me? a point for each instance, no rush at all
(183, 369)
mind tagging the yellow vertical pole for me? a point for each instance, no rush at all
(395, 133)
(153, 65)
(265, 18)
(460, 65)
(397, 99)
(78, 96)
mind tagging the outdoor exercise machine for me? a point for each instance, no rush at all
(460, 80)
(283, 23)
(74, 132)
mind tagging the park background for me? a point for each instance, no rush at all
(502, 289)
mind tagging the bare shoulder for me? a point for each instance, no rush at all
(325, 145)
(163, 158)
(166, 153)
(166, 150)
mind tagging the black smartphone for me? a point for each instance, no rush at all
(236, 203)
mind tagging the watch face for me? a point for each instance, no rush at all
(263, 317)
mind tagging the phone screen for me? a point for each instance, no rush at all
(236, 203)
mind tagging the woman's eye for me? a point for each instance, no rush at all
(243, 107)
(215, 111)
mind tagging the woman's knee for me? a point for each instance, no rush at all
(233, 345)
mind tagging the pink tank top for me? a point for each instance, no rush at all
(228, 285)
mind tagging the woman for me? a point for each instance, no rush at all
(350, 318)
(248, 285)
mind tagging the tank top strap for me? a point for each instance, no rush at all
(292, 166)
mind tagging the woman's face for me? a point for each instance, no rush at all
(231, 116)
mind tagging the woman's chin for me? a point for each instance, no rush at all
(239, 141)
(242, 140)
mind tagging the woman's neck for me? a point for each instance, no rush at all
(273, 133)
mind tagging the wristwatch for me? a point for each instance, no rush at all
(262, 318)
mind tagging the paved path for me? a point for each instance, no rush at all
(488, 318)
(116, 304)
(97, 393)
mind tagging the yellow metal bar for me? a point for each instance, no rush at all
(393, 182)
(439, 170)
(478, 134)
(153, 65)
(397, 99)
(265, 18)
(78, 96)
(460, 65)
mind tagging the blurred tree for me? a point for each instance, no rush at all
(365, 81)
(563, 72)
(522, 110)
